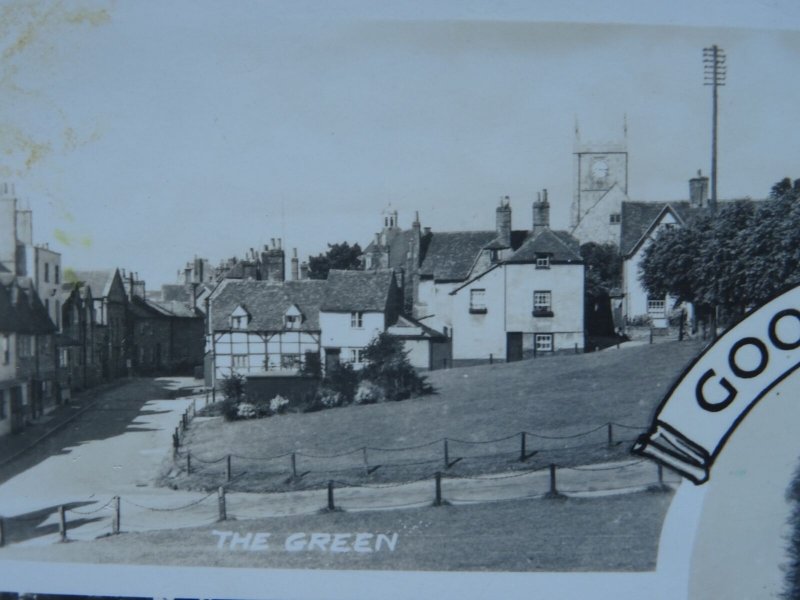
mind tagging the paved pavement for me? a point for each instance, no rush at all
(121, 441)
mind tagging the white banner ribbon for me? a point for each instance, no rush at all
(719, 388)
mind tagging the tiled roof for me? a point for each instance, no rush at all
(27, 315)
(178, 292)
(559, 245)
(406, 327)
(637, 217)
(358, 290)
(450, 255)
(399, 241)
(267, 302)
(100, 281)
(175, 308)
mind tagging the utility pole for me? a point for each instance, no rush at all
(715, 71)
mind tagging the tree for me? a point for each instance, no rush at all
(747, 253)
(388, 367)
(339, 256)
(603, 265)
(603, 272)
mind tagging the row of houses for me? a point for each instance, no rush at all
(452, 298)
(463, 297)
(63, 330)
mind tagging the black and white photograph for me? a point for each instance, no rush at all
(343, 300)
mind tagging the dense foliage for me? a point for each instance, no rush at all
(388, 368)
(339, 256)
(737, 259)
(603, 267)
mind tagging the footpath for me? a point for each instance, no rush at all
(13, 446)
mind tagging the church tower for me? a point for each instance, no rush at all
(600, 184)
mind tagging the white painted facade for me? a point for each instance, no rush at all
(637, 304)
(350, 332)
(435, 303)
(257, 353)
(508, 295)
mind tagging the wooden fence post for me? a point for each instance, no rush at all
(2, 533)
(223, 509)
(610, 435)
(366, 464)
(576, 347)
(115, 521)
(523, 454)
(331, 505)
(660, 475)
(446, 455)
(438, 500)
(62, 524)
(651, 334)
(491, 359)
(553, 488)
(189, 463)
(228, 468)
(294, 465)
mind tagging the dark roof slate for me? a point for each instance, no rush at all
(267, 302)
(358, 290)
(100, 281)
(450, 255)
(559, 245)
(27, 314)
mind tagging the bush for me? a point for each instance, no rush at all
(245, 410)
(369, 393)
(388, 368)
(230, 410)
(278, 405)
(233, 387)
(342, 379)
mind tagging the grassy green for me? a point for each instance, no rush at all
(554, 396)
(610, 533)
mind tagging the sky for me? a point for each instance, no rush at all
(145, 133)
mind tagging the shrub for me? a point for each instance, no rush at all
(233, 387)
(278, 405)
(312, 366)
(230, 410)
(369, 393)
(245, 410)
(388, 367)
(342, 379)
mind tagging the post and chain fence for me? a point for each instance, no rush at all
(436, 488)
(286, 470)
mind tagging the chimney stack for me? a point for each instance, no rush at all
(304, 270)
(541, 213)
(698, 191)
(503, 221)
(273, 264)
(295, 266)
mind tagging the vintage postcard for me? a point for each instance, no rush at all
(345, 300)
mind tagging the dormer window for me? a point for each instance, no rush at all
(239, 318)
(542, 261)
(493, 256)
(293, 318)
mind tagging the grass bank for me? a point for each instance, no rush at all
(611, 533)
(563, 401)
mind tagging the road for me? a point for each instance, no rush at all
(116, 447)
